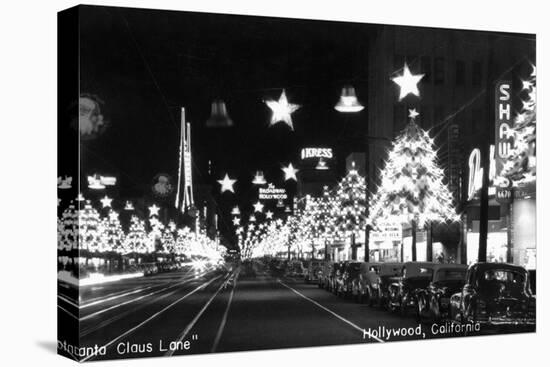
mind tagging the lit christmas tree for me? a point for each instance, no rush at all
(112, 235)
(89, 228)
(136, 240)
(168, 242)
(520, 167)
(68, 229)
(324, 215)
(411, 190)
(350, 210)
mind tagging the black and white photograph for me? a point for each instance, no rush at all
(239, 183)
(252, 183)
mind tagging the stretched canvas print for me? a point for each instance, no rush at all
(233, 183)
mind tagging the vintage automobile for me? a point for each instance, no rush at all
(379, 281)
(433, 301)
(327, 274)
(495, 294)
(368, 282)
(295, 269)
(313, 271)
(402, 292)
(349, 279)
(336, 276)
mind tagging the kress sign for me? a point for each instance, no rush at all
(316, 153)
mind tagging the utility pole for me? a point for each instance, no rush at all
(487, 138)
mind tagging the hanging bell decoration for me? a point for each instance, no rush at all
(348, 102)
(322, 165)
(259, 178)
(219, 116)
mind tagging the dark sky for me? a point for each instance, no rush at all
(146, 64)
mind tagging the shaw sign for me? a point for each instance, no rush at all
(272, 193)
(504, 134)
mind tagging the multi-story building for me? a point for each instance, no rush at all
(455, 103)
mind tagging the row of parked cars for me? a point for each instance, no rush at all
(490, 293)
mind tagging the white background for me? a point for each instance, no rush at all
(28, 176)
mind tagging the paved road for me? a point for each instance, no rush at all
(222, 311)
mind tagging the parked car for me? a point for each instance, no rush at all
(368, 281)
(403, 291)
(335, 276)
(324, 276)
(349, 279)
(495, 294)
(433, 302)
(313, 271)
(295, 269)
(379, 282)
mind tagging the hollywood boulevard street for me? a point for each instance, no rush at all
(233, 309)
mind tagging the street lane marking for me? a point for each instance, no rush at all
(115, 295)
(330, 311)
(118, 316)
(65, 299)
(69, 313)
(224, 318)
(198, 316)
(94, 314)
(155, 315)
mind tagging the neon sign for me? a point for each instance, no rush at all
(308, 153)
(475, 172)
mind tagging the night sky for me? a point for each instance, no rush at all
(146, 64)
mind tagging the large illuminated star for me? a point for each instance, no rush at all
(236, 221)
(153, 210)
(269, 214)
(258, 207)
(407, 82)
(290, 172)
(282, 110)
(106, 201)
(227, 184)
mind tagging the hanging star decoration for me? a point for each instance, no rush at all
(282, 110)
(227, 184)
(172, 226)
(113, 215)
(106, 201)
(290, 172)
(407, 83)
(413, 114)
(269, 214)
(258, 207)
(236, 221)
(153, 210)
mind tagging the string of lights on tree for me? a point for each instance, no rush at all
(520, 166)
(412, 192)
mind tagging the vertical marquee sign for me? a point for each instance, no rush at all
(184, 194)
(504, 135)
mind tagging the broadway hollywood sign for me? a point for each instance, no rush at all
(272, 193)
